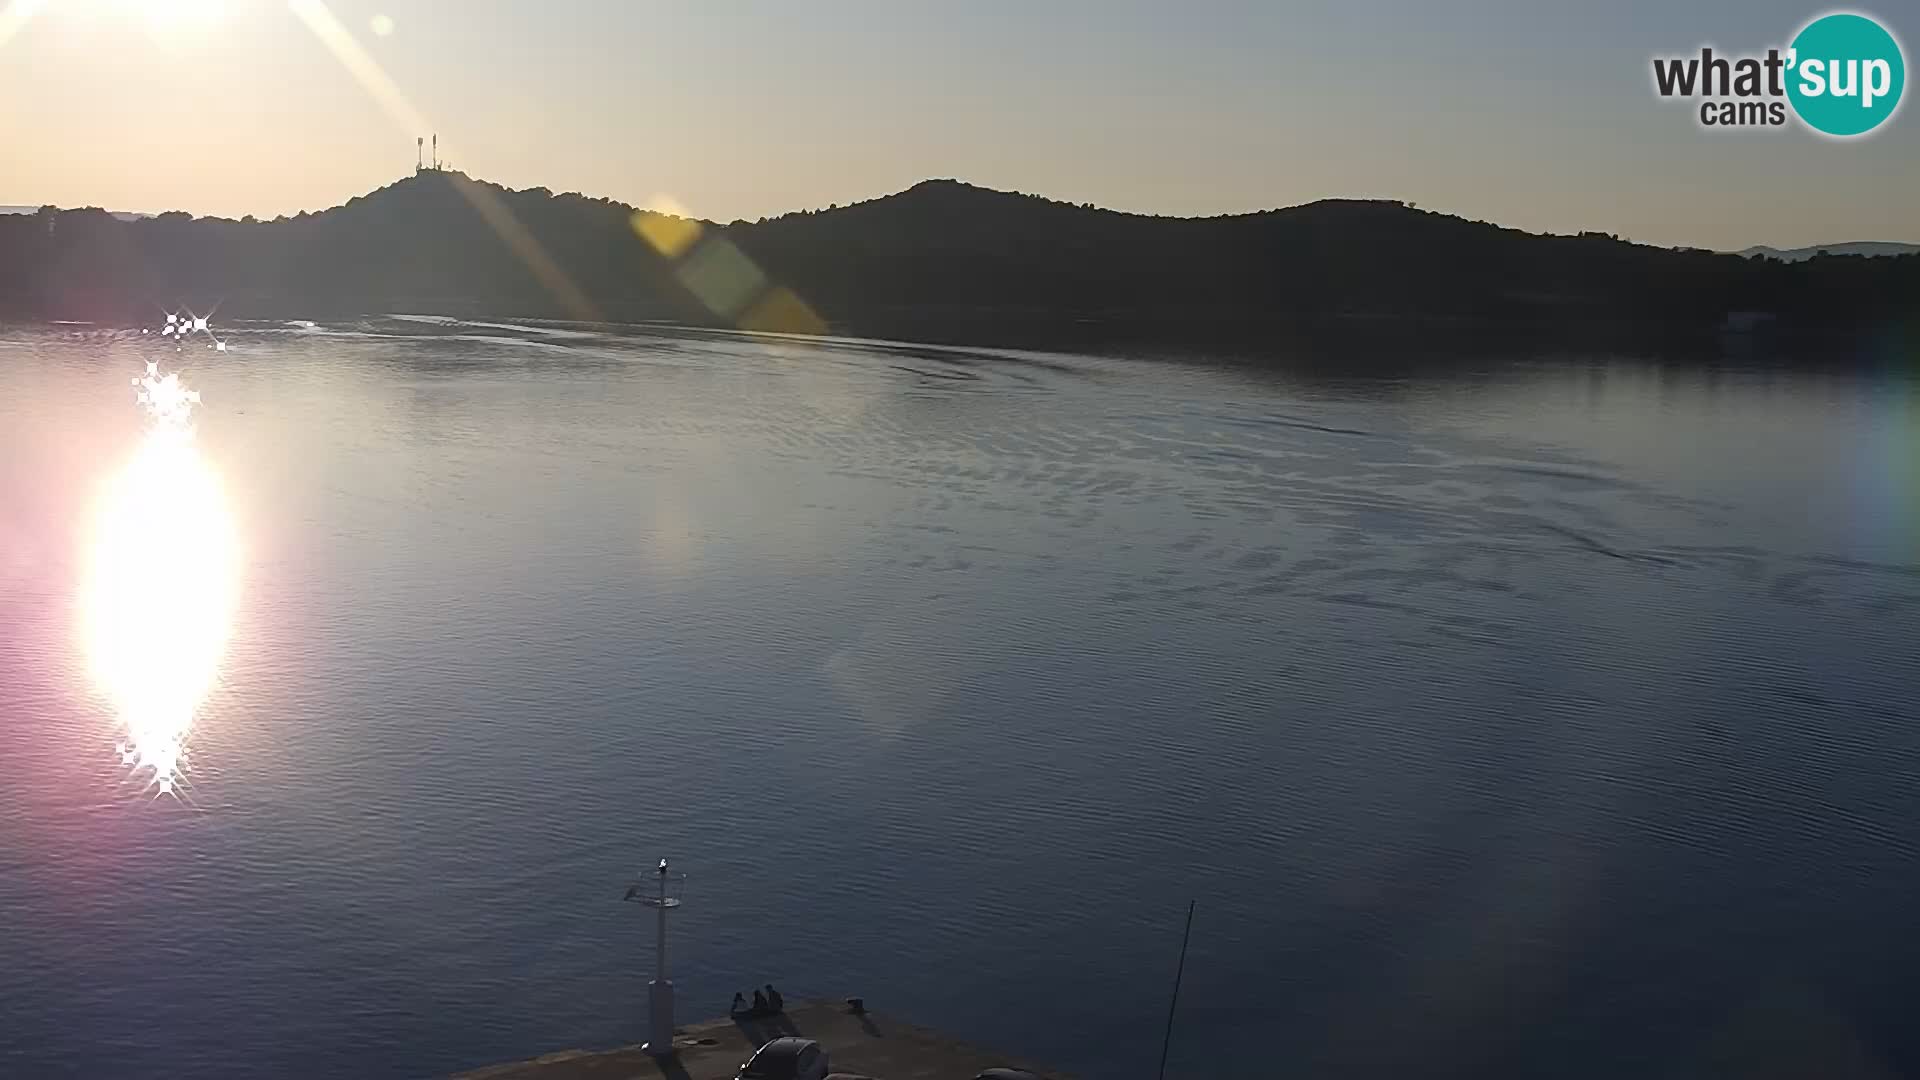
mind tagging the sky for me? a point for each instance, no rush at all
(1538, 114)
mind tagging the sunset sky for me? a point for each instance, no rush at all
(1533, 114)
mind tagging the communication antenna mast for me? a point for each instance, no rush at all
(419, 152)
(436, 151)
(662, 894)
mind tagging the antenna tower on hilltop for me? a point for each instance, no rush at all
(420, 162)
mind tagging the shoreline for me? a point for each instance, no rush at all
(865, 1044)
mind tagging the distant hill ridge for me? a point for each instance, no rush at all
(123, 215)
(942, 258)
(1872, 248)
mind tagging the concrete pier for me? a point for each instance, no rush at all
(867, 1046)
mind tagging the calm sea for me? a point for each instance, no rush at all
(1544, 717)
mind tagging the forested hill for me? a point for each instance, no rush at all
(941, 254)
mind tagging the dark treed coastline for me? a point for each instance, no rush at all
(940, 259)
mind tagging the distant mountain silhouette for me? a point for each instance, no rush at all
(941, 259)
(123, 215)
(1858, 247)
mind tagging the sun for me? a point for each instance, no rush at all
(164, 20)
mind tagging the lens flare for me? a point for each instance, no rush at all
(161, 584)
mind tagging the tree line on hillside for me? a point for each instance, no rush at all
(940, 254)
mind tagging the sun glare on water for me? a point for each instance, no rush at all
(160, 585)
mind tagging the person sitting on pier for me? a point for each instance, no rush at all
(775, 1002)
(759, 1004)
(739, 1003)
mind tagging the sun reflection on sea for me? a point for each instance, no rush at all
(160, 586)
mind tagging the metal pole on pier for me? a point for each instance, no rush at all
(1166, 1041)
(663, 896)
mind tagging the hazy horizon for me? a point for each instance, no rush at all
(228, 108)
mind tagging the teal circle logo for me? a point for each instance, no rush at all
(1847, 74)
